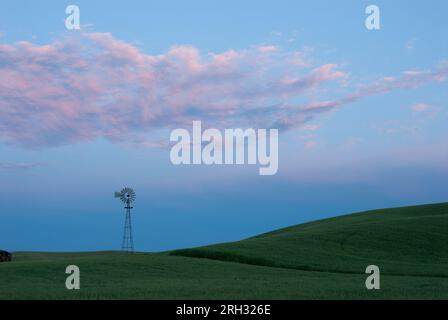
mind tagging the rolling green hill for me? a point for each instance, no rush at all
(401, 241)
(319, 260)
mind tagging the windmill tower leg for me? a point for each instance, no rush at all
(128, 241)
(131, 237)
(123, 243)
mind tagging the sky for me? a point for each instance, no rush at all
(83, 113)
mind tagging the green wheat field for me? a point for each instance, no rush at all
(319, 260)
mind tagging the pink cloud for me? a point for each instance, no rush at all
(295, 116)
(311, 127)
(309, 145)
(420, 107)
(94, 86)
(268, 48)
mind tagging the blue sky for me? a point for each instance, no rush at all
(62, 154)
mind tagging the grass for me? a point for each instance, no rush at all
(319, 260)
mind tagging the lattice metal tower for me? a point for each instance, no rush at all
(127, 195)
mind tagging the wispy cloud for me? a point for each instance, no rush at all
(420, 107)
(18, 165)
(293, 117)
(410, 44)
(94, 86)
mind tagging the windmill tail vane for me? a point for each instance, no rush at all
(127, 195)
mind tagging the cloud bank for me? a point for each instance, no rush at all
(93, 85)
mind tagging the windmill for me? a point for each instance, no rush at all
(127, 195)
